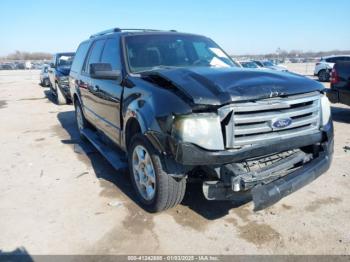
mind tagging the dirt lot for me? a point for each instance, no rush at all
(54, 199)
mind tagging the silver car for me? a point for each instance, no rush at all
(44, 76)
(272, 66)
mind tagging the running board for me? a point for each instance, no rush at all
(115, 158)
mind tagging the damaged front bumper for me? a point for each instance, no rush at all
(266, 193)
(271, 184)
(268, 188)
(64, 86)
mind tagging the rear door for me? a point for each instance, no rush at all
(75, 78)
(87, 84)
(107, 93)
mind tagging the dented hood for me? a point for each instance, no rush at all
(217, 86)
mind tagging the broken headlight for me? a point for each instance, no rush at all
(325, 110)
(202, 129)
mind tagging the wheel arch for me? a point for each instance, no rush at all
(132, 127)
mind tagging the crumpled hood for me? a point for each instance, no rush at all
(63, 70)
(218, 86)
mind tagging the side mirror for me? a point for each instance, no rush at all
(52, 65)
(104, 71)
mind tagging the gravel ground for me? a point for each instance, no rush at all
(54, 199)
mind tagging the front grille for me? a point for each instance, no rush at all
(251, 123)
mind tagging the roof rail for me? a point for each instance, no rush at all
(114, 30)
(109, 31)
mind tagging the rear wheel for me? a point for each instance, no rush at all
(155, 189)
(80, 119)
(323, 75)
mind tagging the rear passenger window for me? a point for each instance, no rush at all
(80, 57)
(111, 55)
(95, 54)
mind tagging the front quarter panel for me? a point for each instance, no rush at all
(149, 105)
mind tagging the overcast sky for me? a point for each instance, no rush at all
(240, 27)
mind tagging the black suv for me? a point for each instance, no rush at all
(58, 76)
(175, 108)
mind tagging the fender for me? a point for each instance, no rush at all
(135, 107)
(76, 91)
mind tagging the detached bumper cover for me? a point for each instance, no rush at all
(267, 195)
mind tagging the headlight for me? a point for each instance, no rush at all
(203, 130)
(325, 110)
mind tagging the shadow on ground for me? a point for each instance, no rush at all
(341, 114)
(50, 96)
(194, 198)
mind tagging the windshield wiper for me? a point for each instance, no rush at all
(156, 68)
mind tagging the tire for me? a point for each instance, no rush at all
(81, 122)
(60, 98)
(323, 76)
(168, 191)
(46, 82)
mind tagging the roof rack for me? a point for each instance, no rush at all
(115, 30)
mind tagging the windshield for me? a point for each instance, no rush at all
(65, 60)
(268, 63)
(249, 65)
(147, 52)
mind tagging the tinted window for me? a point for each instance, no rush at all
(80, 57)
(111, 53)
(330, 60)
(95, 54)
(258, 63)
(346, 58)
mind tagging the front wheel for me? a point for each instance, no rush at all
(156, 190)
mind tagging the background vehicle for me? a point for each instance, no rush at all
(270, 65)
(20, 66)
(324, 67)
(7, 66)
(58, 75)
(251, 65)
(44, 76)
(28, 65)
(340, 83)
(174, 107)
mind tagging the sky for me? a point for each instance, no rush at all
(240, 27)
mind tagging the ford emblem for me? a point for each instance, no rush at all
(281, 122)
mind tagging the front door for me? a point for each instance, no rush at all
(107, 94)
